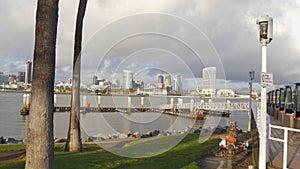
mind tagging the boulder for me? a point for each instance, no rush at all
(11, 141)
(149, 134)
(123, 135)
(155, 133)
(136, 135)
(2, 140)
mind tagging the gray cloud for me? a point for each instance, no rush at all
(228, 25)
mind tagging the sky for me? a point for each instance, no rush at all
(169, 36)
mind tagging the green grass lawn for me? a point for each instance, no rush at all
(184, 155)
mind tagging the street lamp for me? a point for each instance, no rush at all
(265, 36)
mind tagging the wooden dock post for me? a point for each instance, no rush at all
(99, 101)
(84, 101)
(27, 100)
(26, 104)
(24, 100)
(192, 106)
(142, 102)
(129, 105)
(172, 105)
(201, 104)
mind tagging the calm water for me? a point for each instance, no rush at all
(12, 124)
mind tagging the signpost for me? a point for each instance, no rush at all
(266, 79)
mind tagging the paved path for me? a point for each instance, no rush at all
(276, 148)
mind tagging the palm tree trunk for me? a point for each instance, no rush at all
(40, 146)
(74, 137)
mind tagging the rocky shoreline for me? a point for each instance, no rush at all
(132, 134)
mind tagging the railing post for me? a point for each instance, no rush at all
(99, 101)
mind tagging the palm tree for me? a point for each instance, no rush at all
(40, 146)
(74, 137)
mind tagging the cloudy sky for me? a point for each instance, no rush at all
(169, 36)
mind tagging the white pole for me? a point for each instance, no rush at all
(263, 119)
(28, 100)
(99, 101)
(129, 104)
(54, 100)
(285, 147)
(142, 102)
(250, 100)
(172, 105)
(228, 105)
(192, 106)
(84, 101)
(24, 100)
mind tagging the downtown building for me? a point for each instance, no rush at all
(209, 81)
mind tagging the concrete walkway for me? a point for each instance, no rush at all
(276, 148)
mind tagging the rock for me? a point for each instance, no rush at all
(123, 135)
(167, 133)
(114, 136)
(144, 136)
(218, 130)
(11, 141)
(100, 139)
(129, 134)
(149, 134)
(2, 140)
(136, 135)
(197, 131)
(91, 138)
(155, 133)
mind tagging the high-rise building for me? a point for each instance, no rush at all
(168, 81)
(3, 79)
(209, 81)
(21, 76)
(28, 72)
(160, 82)
(12, 78)
(127, 79)
(177, 83)
(95, 78)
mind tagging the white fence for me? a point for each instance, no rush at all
(232, 106)
(284, 141)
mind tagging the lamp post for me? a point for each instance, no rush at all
(265, 24)
(251, 77)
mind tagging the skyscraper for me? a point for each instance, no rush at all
(127, 79)
(21, 76)
(168, 81)
(28, 72)
(95, 78)
(209, 81)
(160, 82)
(178, 83)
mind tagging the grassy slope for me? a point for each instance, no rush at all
(184, 155)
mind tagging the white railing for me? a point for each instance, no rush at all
(233, 106)
(284, 141)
